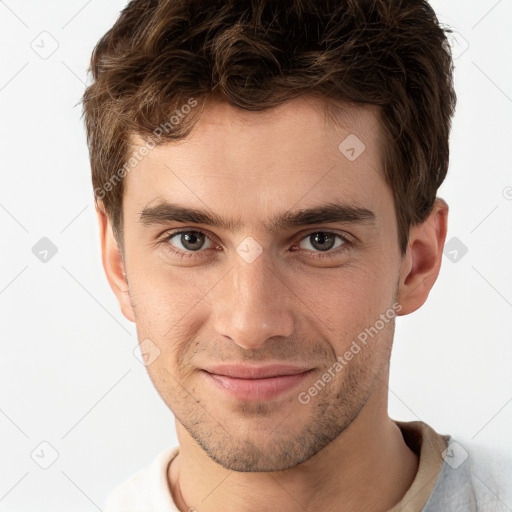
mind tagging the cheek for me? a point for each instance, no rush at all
(350, 292)
(170, 308)
(163, 293)
(350, 302)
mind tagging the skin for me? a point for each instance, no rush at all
(285, 306)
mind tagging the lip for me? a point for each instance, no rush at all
(255, 383)
(240, 371)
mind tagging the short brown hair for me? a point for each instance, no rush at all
(256, 55)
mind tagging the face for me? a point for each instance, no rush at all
(248, 290)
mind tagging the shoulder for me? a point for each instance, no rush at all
(146, 489)
(473, 478)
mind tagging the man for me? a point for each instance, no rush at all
(265, 178)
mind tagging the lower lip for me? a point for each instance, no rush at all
(256, 389)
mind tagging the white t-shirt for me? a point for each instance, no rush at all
(451, 477)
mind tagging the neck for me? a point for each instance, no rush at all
(369, 455)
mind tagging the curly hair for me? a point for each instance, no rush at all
(161, 56)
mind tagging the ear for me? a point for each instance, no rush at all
(113, 263)
(421, 264)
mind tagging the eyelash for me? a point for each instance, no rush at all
(201, 253)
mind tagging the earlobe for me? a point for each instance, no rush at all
(421, 264)
(113, 263)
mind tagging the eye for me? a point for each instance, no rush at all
(189, 241)
(322, 240)
(322, 243)
(194, 244)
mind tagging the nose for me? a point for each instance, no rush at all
(253, 304)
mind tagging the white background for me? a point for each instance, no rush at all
(68, 374)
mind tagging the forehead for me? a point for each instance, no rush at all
(261, 163)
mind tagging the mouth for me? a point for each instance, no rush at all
(255, 383)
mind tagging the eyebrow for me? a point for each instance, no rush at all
(165, 212)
